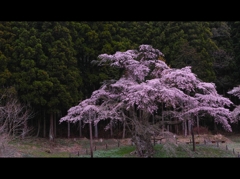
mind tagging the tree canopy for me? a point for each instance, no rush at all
(147, 88)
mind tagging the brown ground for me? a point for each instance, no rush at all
(42, 147)
(79, 146)
(207, 137)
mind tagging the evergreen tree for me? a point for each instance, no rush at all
(224, 65)
(6, 49)
(189, 43)
(235, 36)
(61, 66)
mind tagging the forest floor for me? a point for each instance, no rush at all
(73, 147)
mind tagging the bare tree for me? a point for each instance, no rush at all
(14, 116)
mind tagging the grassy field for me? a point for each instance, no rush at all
(201, 151)
(113, 148)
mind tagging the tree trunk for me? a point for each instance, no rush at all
(124, 129)
(68, 129)
(162, 119)
(24, 129)
(44, 125)
(189, 127)
(91, 145)
(215, 126)
(111, 129)
(80, 128)
(39, 127)
(141, 137)
(198, 124)
(193, 139)
(185, 128)
(176, 128)
(55, 125)
(96, 131)
(51, 132)
(10, 129)
(143, 144)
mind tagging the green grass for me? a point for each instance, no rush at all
(120, 152)
(201, 151)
